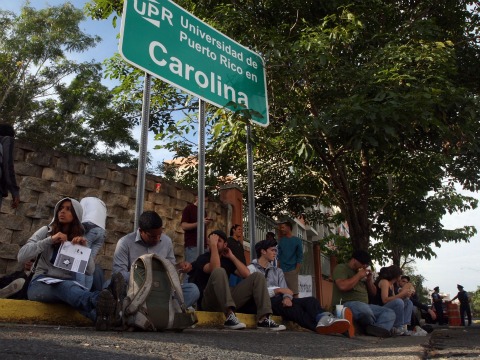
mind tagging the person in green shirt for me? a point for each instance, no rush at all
(353, 283)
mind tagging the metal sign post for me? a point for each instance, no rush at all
(142, 153)
(251, 195)
(201, 180)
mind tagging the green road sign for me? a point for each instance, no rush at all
(166, 41)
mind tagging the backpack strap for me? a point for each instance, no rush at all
(137, 294)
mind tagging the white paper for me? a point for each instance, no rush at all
(50, 280)
(72, 257)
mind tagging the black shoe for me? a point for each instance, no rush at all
(377, 331)
(269, 324)
(105, 311)
(118, 288)
(233, 323)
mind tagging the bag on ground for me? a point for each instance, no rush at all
(154, 300)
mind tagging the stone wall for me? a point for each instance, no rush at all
(46, 176)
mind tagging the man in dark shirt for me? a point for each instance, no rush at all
(210, 273)
(189, 226)
(437, 300)
(462, 296)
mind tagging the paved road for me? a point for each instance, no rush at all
(459, 343)
(48, 342)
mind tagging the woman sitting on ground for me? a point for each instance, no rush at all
(45, 244)
(400, 303)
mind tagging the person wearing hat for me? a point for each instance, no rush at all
(437, 300)
(353, 283)
(462, 296)
(306, 312)
(210, 272)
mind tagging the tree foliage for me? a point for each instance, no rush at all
(52, 100)
(374, 109)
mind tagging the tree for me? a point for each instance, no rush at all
(475, 302)
(38, 97)
(359, 91)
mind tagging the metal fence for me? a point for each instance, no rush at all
(263, 223)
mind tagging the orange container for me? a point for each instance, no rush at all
(453, 315)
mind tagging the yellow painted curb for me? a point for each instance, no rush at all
(34, 312)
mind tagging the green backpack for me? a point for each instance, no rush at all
(154, 300)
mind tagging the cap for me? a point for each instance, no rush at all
(362, 257)
(459, 286)
(219, 233)
(436, 288)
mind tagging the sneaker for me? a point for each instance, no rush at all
(377, 331)
(348, 315)
(328, 324)
(233, 323)
(118, 287)
(398, 331)
(269, 324)
(12, 288)
(105, 311)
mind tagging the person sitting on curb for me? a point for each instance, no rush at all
(306, 312)
(150, 239)
(15, 285)
(103, 307)
(398, 302)
(211, 271)
(405, 281)
(353, 283)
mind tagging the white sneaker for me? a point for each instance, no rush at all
(328, 324)
(12, 288)
(398, 331)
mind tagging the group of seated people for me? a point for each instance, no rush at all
(262, 286)
(382, 307)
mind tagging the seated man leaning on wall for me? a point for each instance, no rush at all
(211, 271)
(306, 312)
(353, 283)
(149, 239)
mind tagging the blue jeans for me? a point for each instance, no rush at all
(368, 314)
(403, 311)
(64, 292)
(190, 256)
(95, 239)
(190, 294)
(191, 253)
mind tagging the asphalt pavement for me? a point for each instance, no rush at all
(57, 342)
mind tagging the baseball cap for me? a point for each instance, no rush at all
(220, 233)
(362, 256)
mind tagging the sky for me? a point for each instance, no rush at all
(454, 264)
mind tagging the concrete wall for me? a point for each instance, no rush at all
(45, 176)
